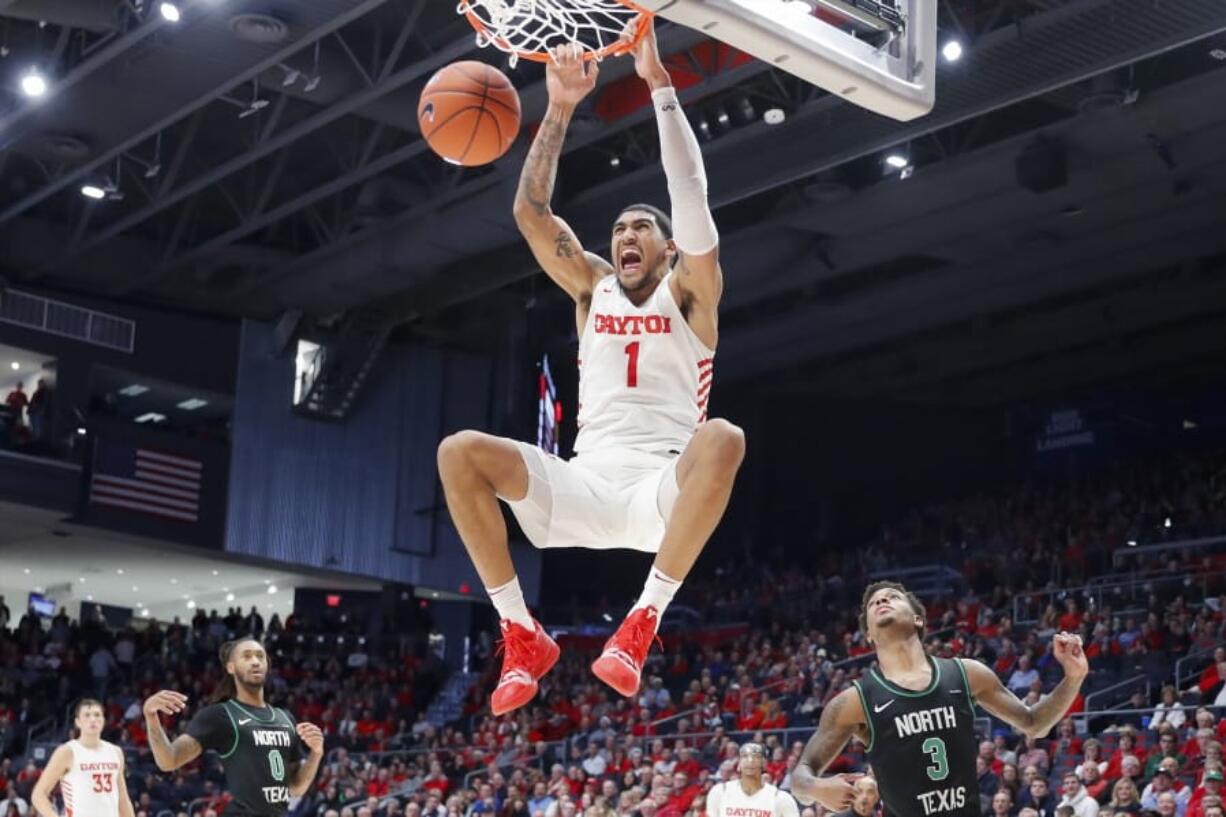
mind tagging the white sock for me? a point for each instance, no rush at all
(658, 591)
(509, 602)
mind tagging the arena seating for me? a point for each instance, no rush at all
(1027, 562)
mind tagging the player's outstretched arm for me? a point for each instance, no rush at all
(168, 756)
(1035, 721)
(568, 79)
(841, 719)
(694, 229)
(57, 767)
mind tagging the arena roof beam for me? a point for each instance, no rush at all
(9, 132)
(505, 171)
(282, 140)
(381, 165)
(1061, 47)
(70, 179)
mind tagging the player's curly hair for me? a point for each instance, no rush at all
(228, 688)
(917, 606)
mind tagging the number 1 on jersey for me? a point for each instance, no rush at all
(632, 365)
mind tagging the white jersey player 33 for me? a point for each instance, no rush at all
(644, 376)
(644, 383)
(90, 787)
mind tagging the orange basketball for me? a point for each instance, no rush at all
(469, 113)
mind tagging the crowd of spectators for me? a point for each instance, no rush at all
(580, 748)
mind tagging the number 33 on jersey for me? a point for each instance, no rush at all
(644, 376)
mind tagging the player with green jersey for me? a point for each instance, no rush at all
(267, 757)
(915, 713)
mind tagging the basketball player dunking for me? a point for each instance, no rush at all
(916, 715)
(749, 795)
(260, 746)
(88, 769)
(651, 472)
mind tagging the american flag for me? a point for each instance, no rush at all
(126, 476)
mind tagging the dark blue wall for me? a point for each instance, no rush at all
(360, 496)
(181, 348)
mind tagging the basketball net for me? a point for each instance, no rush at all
(531, 28)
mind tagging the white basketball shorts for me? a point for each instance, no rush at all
(603, 500)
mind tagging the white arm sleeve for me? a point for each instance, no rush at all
(713, 800)
(785, 806)
(693, 228)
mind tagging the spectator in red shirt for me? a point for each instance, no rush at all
(380, 785)
(1127, 747)
(1071, 620)
(987, 751)
(436, 780)
(1211, 677)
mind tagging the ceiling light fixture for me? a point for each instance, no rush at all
(170, 12)
(774, 116)
(952, 51)
(93, 191)
(135, 390)
(34, 84)
(191, 605)
(15, 366)
(192, 404)
(151, 417)
(229, 597)
(272, 588)
(896, 160)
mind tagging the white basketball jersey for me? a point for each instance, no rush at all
(91, 786)
(644, 376)
(730, 800)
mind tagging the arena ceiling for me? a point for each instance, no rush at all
(268, 160)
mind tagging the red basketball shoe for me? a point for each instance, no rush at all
(621, 664)
(527, 656)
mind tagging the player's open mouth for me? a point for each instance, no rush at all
(630, 260)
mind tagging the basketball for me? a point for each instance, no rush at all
(469, 113)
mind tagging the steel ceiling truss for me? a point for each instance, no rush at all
(273, 142)
(75, 176)
(831, 134)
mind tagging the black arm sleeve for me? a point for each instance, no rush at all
(213, 729)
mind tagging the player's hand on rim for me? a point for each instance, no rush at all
(568, 76)
(165, 702)
(312, 736)
(646, 52)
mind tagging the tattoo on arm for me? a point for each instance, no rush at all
(541, 166)
(829, 739)
(565, 244)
